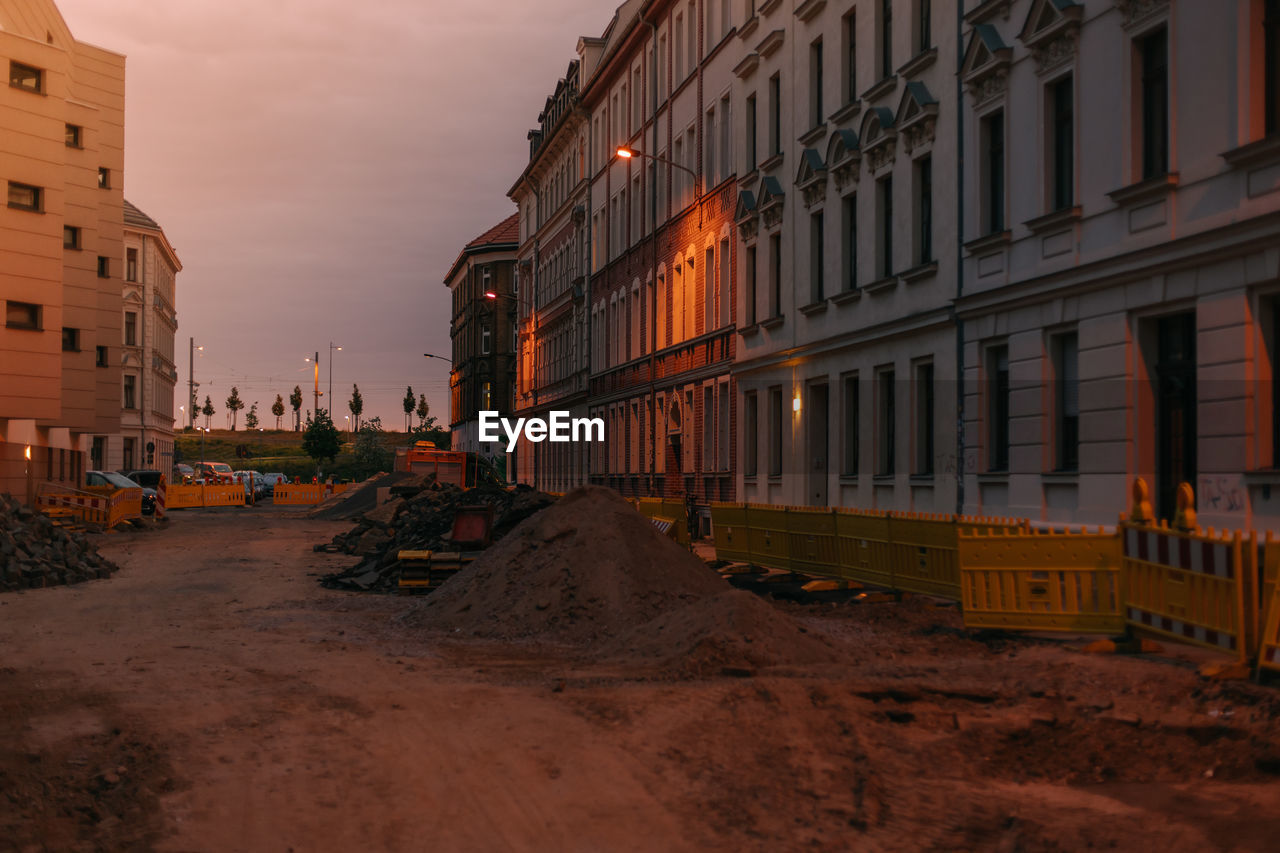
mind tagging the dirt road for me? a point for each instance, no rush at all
(211, 696)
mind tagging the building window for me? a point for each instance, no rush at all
(775, 431)
(70, 237)
(98, 452)
(723, 419)
(775, 115)
(993, 177)
(849, 463)
(886, 38)
(104, 178)
(1153, 53)
(1271, 65)
(924, 25)
(886, 416)
(884, 222)
(486, 395)
(21, 315)
(75, 136)
(129, 444)
(1062, 143)
(850, 212)
(1066, 356)
(709, 290)
(25, 197)
(924, 210)
(924, 419)
(25, 77)
(484, 340)
(101, 359)
(104, 267)
(817, 232)
(750, 275)
(130, 389)
(130, 328)
(815, 83)
(131, 265)
(998, 408)
(751, 448)
(70, 339)
(722, 286)
(850, 30)
(708, 427)
(752, 150)
(775, 280)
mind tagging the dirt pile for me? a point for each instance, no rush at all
(421, 522)
(592, 571)
(35, 552)
(361, 497)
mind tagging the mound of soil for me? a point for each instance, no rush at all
(361, 497)
(592, 571)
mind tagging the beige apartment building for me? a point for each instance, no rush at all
(148, 366)
(1121, 271)
(61, 246)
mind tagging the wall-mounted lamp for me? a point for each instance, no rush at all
(795, 402)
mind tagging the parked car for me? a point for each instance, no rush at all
(145, 477)
(182, 472)
(274, 479)
(120, 481)
(213, 472)
(254, 481)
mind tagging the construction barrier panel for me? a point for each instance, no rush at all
(1269, 649)
(1187, 586)
(183, 496)
(228, 495)
(924, 557)
(812, 545)
(673, 511)
(88, 507)
(768, 537)
(729, 526)
(1041, 581)
(863, 547)
(122, 504)
(304, 494)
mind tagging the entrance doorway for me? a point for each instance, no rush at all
(1175, 393)
(819, 443)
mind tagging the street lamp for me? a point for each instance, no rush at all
(332, 350)
(191, 377)
(628, 153)
(442, 358)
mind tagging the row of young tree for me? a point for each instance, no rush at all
(234, 404)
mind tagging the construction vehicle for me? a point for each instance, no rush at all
(460, 468)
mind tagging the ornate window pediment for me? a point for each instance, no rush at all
(844, 155)
(771, 201)
(1137, 11)
(812, 177)
(985, 69)
(879, 138)
(917, 116)
(1050, 31)
(746, 216)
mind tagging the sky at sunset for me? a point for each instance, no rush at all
(318, 165)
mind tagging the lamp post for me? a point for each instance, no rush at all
(191, 383)
(332, 350)
(628, 153)
(315, 412)
(442, 358)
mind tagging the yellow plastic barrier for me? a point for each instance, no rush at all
(184, 496)
(90, 508)
(729, 526)
(670, 510)
(863, 546)
(924, 557)
(812, 535)
(1038, 581)
(122, 504)
(301, 494)
(229, 495)
(768, 537)
(1269, 650)
(1187, 586)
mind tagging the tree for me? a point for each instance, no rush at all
(251, 419)
(277, 409)
(356, 406)
(370, 449)
(234, 404)
(207, 411)
(320, 440)
(409, 402)
(295, 400)
(423, 408)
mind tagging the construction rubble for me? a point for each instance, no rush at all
(592, 572)
(419, 517)
(35, 552)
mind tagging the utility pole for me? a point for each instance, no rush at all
(316, 410)
(191, 386)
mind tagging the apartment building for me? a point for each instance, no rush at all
(61, 248)
(552, 267)
(847, 156)
(661, 290)
(482, 285)
(148, 366)
(1121, 269)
